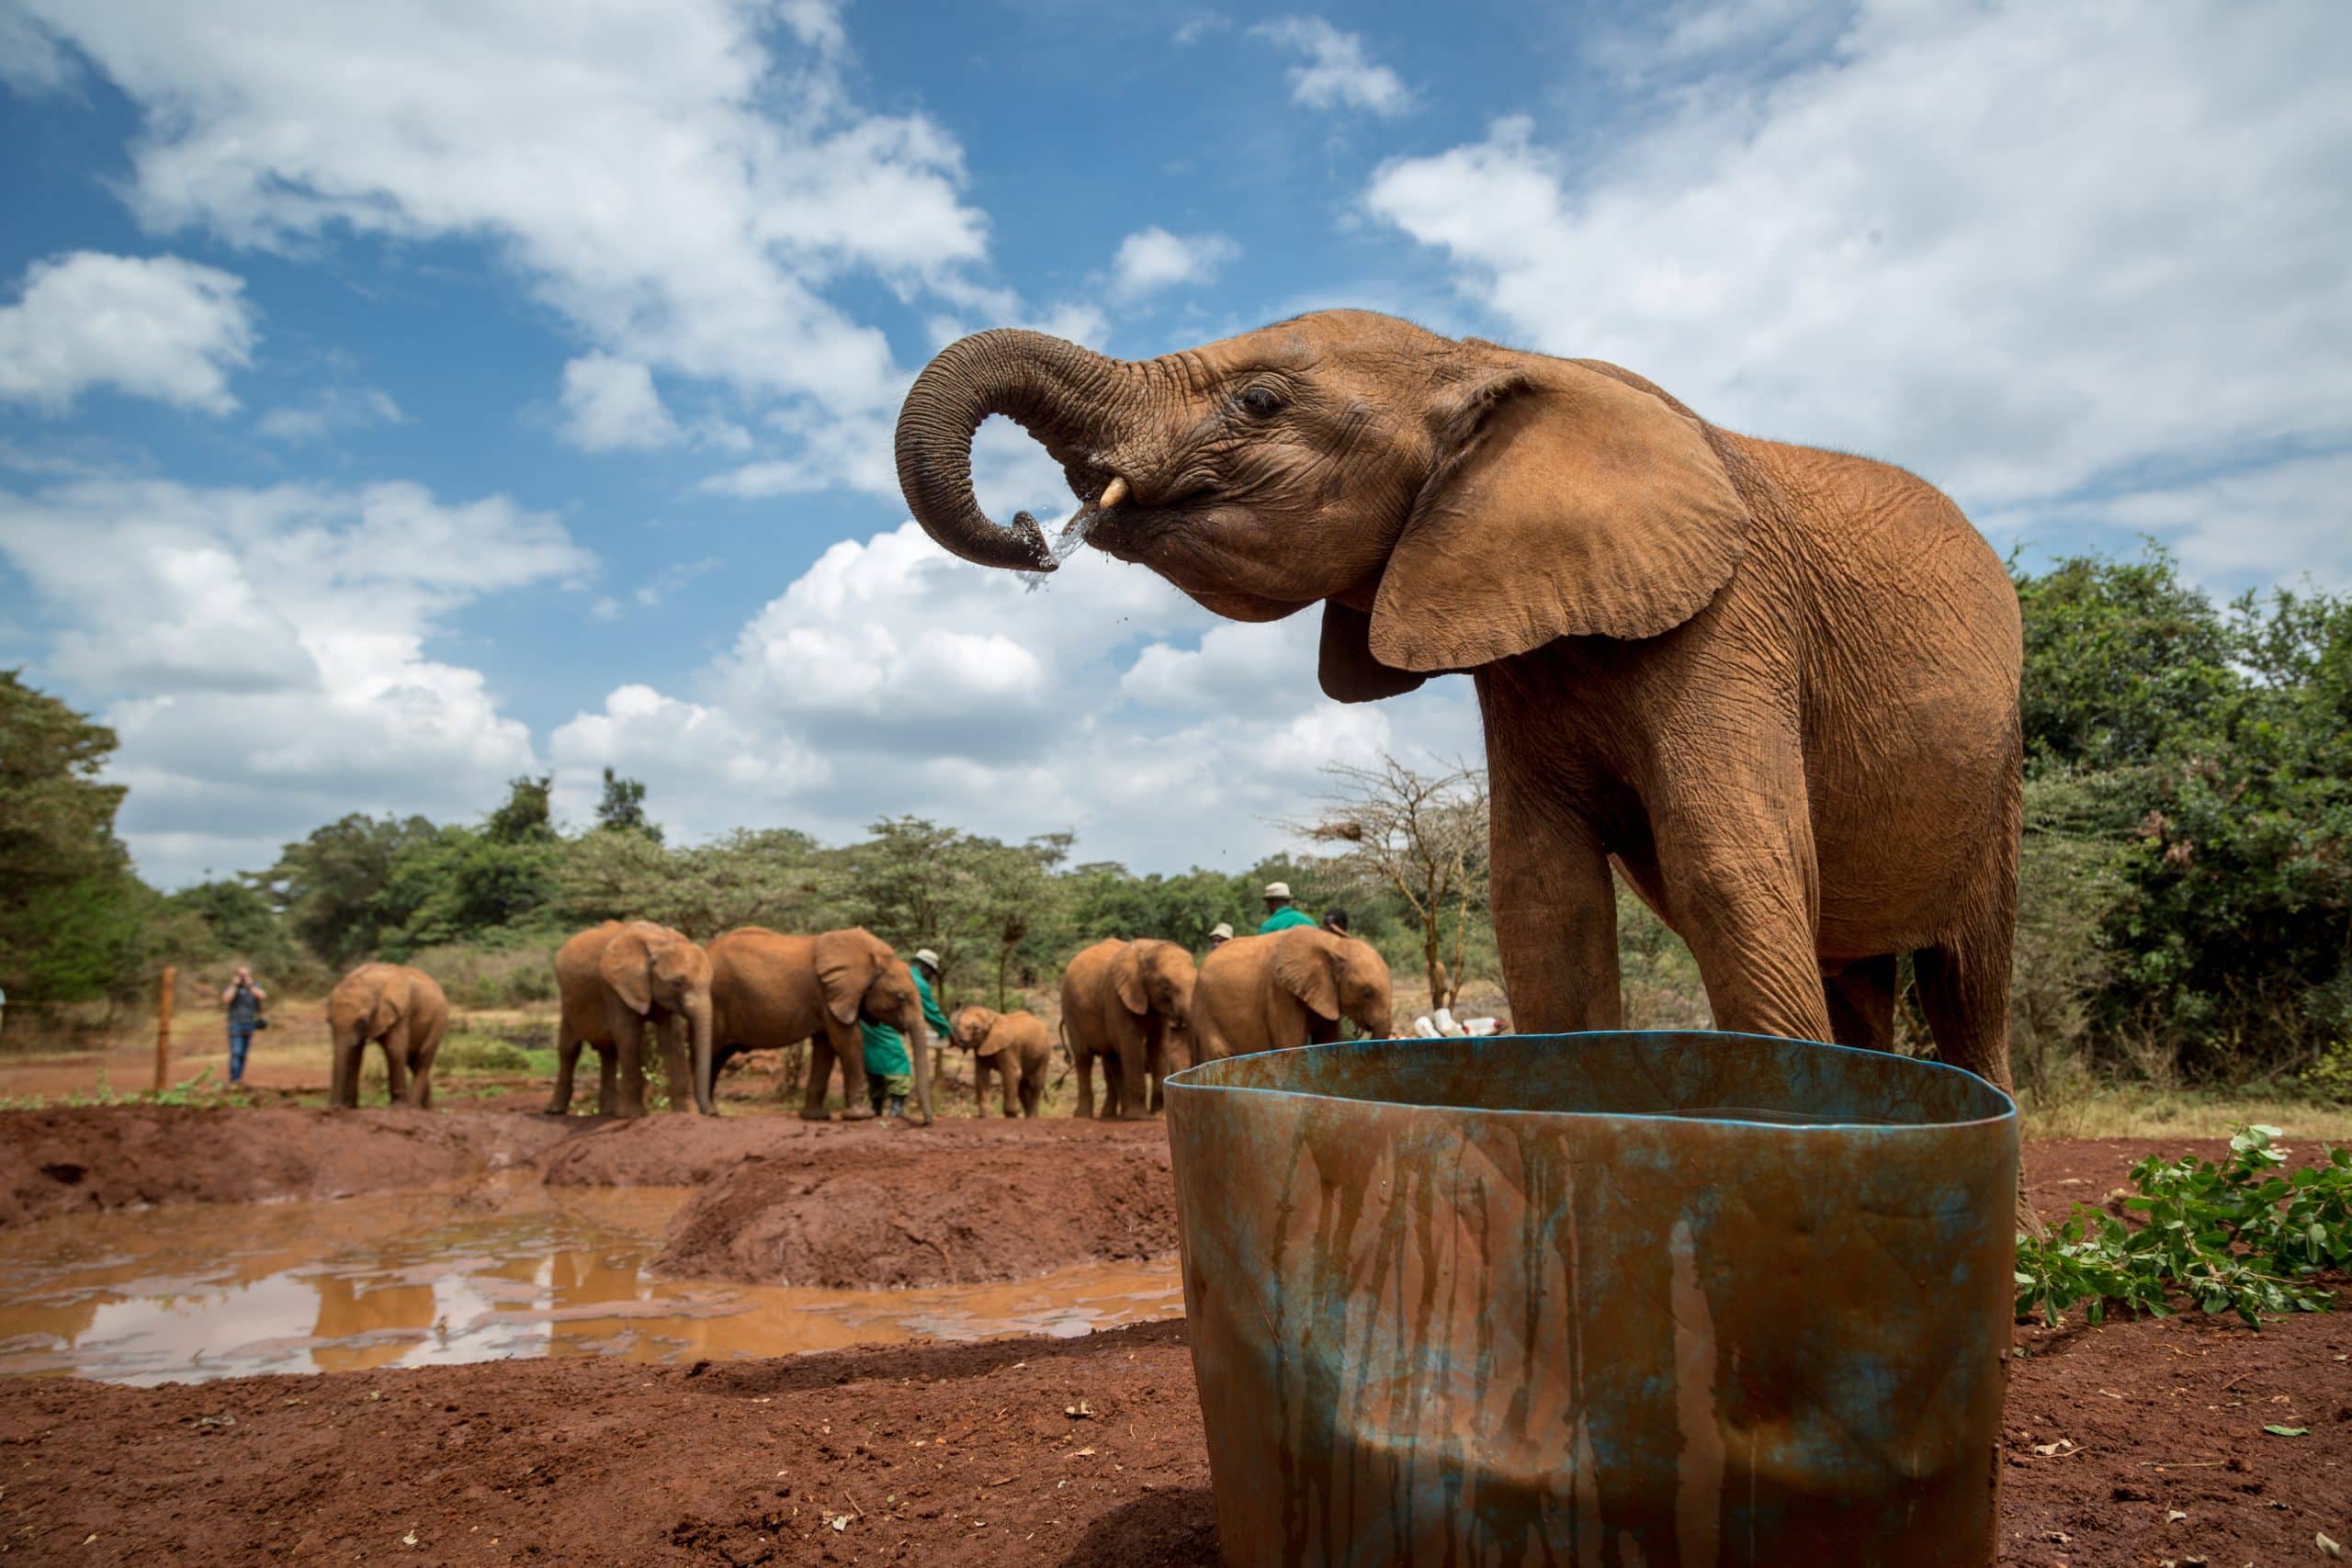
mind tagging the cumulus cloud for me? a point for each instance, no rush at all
(263, 652)
(152, 326)
(682, 181)
(1152, 260)
(1337, 70)
(890, 676)
(2025, 250)
(610, 405)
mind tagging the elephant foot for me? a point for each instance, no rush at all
(807, 1115)
(859, 1113)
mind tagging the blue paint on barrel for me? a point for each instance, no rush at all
(1674, 1298)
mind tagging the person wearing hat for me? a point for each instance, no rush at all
(1219, 934)
(890, 1072)
(1281, 913)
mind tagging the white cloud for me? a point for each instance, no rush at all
(1337, 70)
(1150, 260)
(154, 326)
(2021, 249)
(31, 60)
(261, 652)
(682, 182)
(891, 677)
(2233, 531)
(610, 405)
(336, 410)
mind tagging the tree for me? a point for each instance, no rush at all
(75, 922)
(525, 817)
(1422, 835)
(622, 810)
(338, 887)
(773, 876)
(2120, 657)
(914, 884)
(1016, 898)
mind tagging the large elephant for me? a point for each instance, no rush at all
(1015, 1044)
(1130, 1002)
(400, 1008)
(614, 979)
(1777, 686)
(774, 990)
(1268, 993)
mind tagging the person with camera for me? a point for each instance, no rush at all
(242, 997)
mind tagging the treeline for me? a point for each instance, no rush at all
(2186, 905)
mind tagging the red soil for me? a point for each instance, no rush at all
(1032, 1451)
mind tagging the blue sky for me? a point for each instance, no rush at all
(395, 398)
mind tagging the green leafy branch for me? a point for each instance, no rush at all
(2244, 1235)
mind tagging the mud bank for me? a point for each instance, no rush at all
(684, 1151)
(909, 1209)
(80, 1160)
(973, 1454)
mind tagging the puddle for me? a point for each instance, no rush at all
(416, 1279)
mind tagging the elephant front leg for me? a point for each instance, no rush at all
(567, 1063)
(820, 1080)
(849, 1044)
(395, 1044)
(670, 1031)
(1744, 895)
(1135, 1090)
(628, 1051)
(1555, 918)
(1007, 1080)
(608, 1088)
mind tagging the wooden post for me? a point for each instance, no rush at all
(164, 1027)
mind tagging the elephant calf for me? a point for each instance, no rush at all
(615, 978)
(400, 1008)
(1266, 993)
(1015, 1043)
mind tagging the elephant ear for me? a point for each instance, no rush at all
(627, 966)
(847, 962)
(1126, 978)
(1567, 502)
(1304, 968)
(1345, 665)
(987, 1041)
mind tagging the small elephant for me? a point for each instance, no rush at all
(1130, 1002)
(1015, 1043)
(400, 1006)
(1268, 993)
(774, 990)
(1774, 687)
(613, 979)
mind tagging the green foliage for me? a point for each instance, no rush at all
(481, 1054)
(525, 818)
(75, 922)
(2119, 656)
(336, 886)
(2244, 1235)
(773, 876)
(622, 810)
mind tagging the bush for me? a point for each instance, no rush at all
(498, 970)
(482, 1053)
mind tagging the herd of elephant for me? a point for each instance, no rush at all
(1134, 1009)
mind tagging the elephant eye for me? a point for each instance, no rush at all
(1260, 400)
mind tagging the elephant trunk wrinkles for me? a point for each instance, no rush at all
(1053, 388)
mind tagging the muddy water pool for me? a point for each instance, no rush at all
(416, 1279)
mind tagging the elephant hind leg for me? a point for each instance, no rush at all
(1862, 1003)
(1033, 1089)
(567, 1062)
(1083, 1060)
(1965, 991)
(820, 1080)
(396, 1063)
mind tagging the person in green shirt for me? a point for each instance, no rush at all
(1281, 913)
(889, 1071)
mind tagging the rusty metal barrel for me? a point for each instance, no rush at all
(1671, 1298)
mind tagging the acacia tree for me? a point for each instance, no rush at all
(1422, 834)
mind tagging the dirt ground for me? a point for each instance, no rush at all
(2131, 1443)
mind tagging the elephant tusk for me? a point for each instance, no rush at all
(1112, 493)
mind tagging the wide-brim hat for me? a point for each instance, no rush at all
(925, 955)
(1277, 889)
(1221, 930)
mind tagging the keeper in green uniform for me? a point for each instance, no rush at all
(1281, 913)
(890, 1072)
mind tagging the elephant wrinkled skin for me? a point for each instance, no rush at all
(774, 990)
(401, 1008)
(1268, 993)
(1015, 1044)
(1131, 1003)
(615, 978)
(1776, 686)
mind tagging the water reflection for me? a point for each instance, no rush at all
(411, 1280)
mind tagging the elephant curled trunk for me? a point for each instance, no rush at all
(1049, 386)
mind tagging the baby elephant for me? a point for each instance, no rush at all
(1016, 1043)
(398, 1007)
